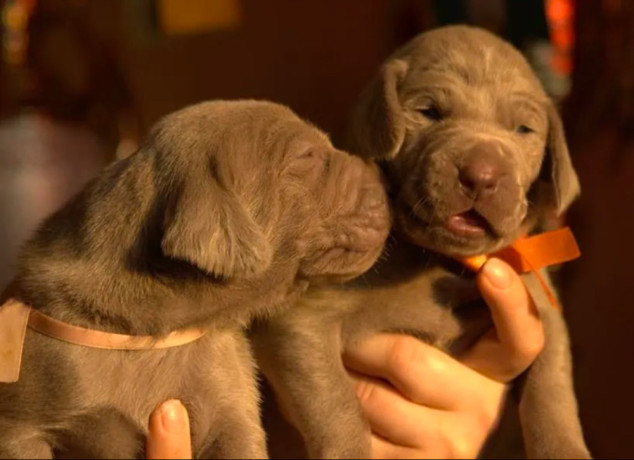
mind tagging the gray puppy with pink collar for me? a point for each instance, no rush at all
(227, 212)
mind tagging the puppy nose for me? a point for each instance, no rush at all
(481, 174)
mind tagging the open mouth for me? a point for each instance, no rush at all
(469, 224)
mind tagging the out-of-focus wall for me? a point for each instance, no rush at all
(98, 64)
(598, 290)
(312, 55)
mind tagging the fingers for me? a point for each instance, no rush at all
(382, 448)
(402, 429)
(422, 373)
(169, 435)
(421, 402)
(391, 415)
(518, 336)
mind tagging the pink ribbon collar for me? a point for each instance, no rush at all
(16, 316)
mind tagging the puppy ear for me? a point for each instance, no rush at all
(561, 176)
(207, 225)
(377, 126)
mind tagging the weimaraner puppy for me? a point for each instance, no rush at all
(475, 156)
(225, 213)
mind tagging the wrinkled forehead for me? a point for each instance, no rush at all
(264, 139)
(467, 63)
(253, 152)
(284, 139)
(485, 75)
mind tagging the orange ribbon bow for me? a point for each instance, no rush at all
(530, 254)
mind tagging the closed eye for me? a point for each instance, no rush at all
(432, 113)
(308, 154)
(523, 129)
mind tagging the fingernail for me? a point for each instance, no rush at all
(172, 416)
(497, 273)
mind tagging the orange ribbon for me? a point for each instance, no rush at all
(530, 254)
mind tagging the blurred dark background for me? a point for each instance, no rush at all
(82, 80)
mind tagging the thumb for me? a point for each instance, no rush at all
(518, 334)
(169, 436)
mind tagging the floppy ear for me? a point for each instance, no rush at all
(560, 174)
(207, 225)
(377, 125)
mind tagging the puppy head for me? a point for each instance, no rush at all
(346, 218)
(474, 148)
(250, 187)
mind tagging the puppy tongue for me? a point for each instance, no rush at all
(468, 223)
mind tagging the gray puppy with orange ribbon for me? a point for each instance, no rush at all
(138, 289)
(476, 158)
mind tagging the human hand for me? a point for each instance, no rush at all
(422, 403)
(169, 436)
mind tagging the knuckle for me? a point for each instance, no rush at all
(487, 417)
(539, 343)
(366, 391)
(510, 370)
(441, 447)
(420, 434)
(528, 351)
(434, 364)
(461, 446)
(404, 350)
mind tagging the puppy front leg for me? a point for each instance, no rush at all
(23, 442)
(304, 367)
(547, 404)
(234, 423)
(240, 437)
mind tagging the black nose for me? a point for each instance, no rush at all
(480, 175)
